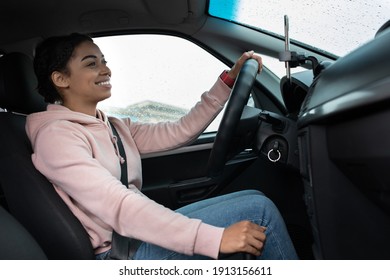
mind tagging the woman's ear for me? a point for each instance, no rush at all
(59, 79)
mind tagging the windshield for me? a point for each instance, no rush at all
(335, 26)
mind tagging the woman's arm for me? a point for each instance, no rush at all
(170, 135)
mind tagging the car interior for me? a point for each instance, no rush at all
(317, 142)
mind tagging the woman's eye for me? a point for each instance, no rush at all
(92, 64)
(104, 62)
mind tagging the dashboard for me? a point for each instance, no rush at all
(344, 151)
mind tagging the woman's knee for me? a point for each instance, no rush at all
(262, 205)
(251, 192)
(253, 200)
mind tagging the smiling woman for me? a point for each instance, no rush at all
(88, 164)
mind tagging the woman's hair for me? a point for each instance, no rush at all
(51, 55)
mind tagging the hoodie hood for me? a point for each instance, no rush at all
(55, 113)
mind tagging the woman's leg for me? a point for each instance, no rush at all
(226, 210)
(214, 200)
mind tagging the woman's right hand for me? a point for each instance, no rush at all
(245, 237)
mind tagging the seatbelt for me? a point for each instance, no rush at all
(122, 248)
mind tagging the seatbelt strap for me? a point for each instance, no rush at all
(122, 248)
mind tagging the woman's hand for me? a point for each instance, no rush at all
(233, 73)
(244, 237)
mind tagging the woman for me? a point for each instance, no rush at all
(74, 147)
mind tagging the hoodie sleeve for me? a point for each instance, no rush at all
(64, 154)
(151, 138)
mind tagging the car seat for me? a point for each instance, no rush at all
(30, 197)
(16, 242)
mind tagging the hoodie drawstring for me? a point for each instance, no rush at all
(114, 141)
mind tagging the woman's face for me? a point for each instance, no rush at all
(88, 77)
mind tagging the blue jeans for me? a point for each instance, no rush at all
(223, 211)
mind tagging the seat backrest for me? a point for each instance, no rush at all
(30, 197)
(16, 242)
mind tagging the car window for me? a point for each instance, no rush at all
(160, 78)
(327, 25)
(157, 77)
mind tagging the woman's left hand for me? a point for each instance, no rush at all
(233, 73)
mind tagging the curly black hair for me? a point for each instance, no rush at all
(52, 55)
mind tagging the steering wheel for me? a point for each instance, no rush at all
(231, 117)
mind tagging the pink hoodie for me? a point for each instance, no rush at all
(76, 153)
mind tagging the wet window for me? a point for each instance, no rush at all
(333, 25)
(157, 77)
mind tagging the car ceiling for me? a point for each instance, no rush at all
(22, 20)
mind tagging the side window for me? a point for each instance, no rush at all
(157, 77)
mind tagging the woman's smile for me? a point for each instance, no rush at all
(105, 84)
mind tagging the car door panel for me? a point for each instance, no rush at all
(179, 177)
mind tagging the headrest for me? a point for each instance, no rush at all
(18, 85)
